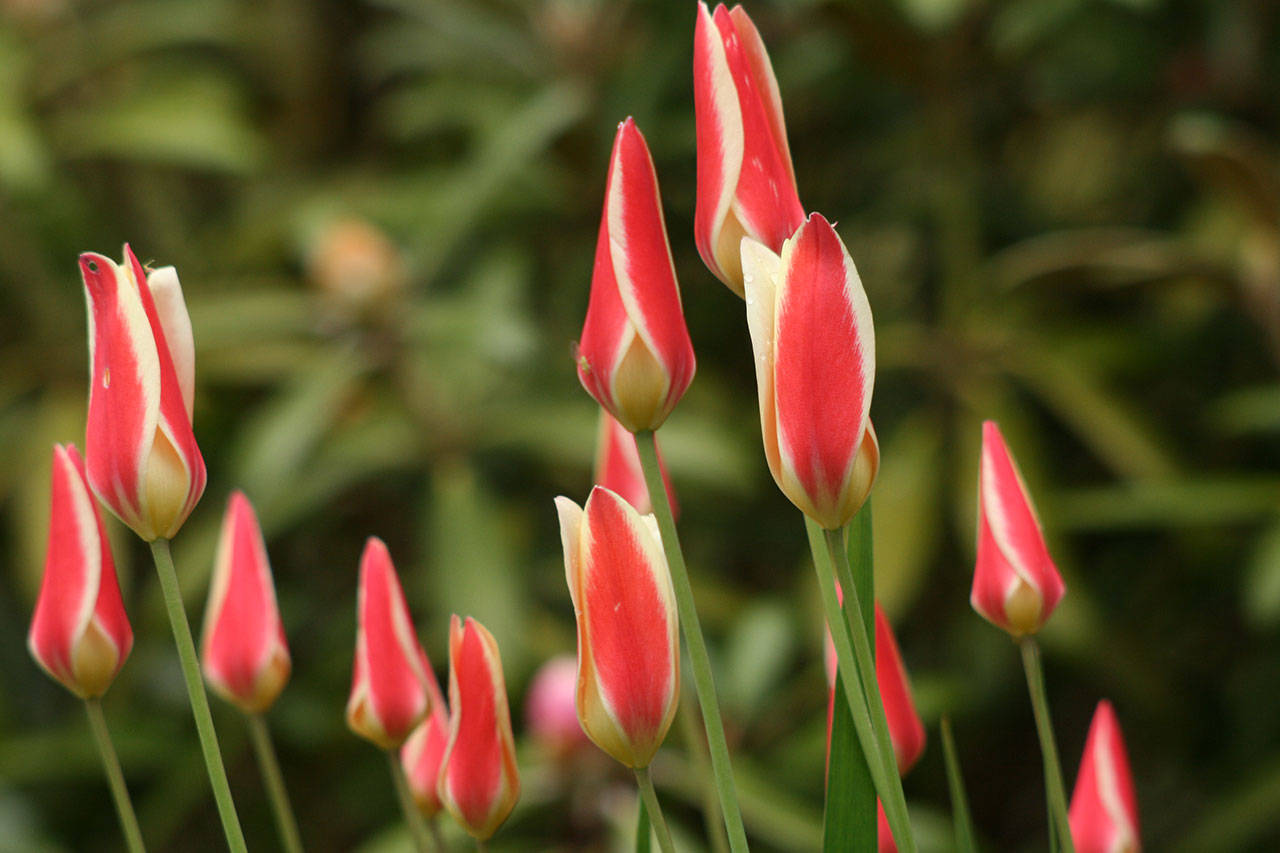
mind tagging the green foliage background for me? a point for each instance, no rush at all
(1067, 217)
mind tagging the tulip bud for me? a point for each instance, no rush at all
(423, 753)
(1015, 584)
(746, 184)
(79, 632)
(635, 356)
(140, 452)
(906, 731)
(551, 711)
(479, 782)
(1104, 809)
(618, 466)
(884, 835)
(814, 344)
(628, 633)
(243, 650)
(389, 685)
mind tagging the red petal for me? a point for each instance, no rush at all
(1104, 808)
(905, 728)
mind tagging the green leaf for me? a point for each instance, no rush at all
(959, 799)
(849, 819)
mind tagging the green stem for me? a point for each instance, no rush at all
(1048, 748)
(413, 817)
(273, 779)
(115, 777)
(696, 742)
(196, 694)
(437, 837)
(959, 800)
(704, 681)
(885, 776)
(650, 798)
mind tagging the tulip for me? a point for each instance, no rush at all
(618, 469)
(389, 686)
(243, 650)
(79, 632)
(1104, 810)
(140, 452)
(551, 710)
(884, 835)
(479, 783)
(1015, 584)
(814, 344)
(746, 184)
(628, 633)
(635, 356)
(422, 754)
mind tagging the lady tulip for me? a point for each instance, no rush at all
(79, 632)
(479, 783)
(618, 469)
(423, 753)
(628, 633)
(243, 651)
(389, 686)
(1015, 584)
(1104, 810)
(746, 184)
(140, 451)
(635, 356)
(814, 344)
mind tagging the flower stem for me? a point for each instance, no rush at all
(1048, 748)
(704, 681)
(857, 666)
(959, 800)
(437, 837)
(650, 797)
(273, 780)
(196, 694)
(696, 743)
(115, 777)
(413, 817)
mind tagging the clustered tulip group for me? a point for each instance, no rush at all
(811, 330)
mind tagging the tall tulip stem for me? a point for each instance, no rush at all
(645, 783)
(273, 780)
(1048, 747)
(856, 664)
(413, 817)
(196, 694)
(115, 777)
(704, 681)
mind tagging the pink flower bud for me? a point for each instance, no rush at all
(628, 633)
(140, 451)
(389, 685)
(1015, 584)
(635, 356)
(243, 650)
(814, 344)
(479, 782)
(423, 753)
(746, 185)
(79, 632)
(551, 710)
(1104, 809)
(618, 466)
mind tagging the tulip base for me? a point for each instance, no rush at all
(1059, 825)
(412, 817)
(115, 777)
(273, 780)
(196, 694)
(703, 680)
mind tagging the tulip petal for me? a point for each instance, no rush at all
(906, 730)
(720, 141)
(1104, 808)
(171, 310)
(761, 274)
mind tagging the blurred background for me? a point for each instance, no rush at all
(1066, 214)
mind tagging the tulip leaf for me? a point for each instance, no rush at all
(849, 818)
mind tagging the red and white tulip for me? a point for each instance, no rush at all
(746, 184)
(389, 686)
(479, 782)
(1104, 808)
(1015, 583)
(551, 707)
(243, 651)
(618, 468)
(140, 451)
(814, 343)
(635, 356)
(422, 755)
(628, 632)
(79, 633)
